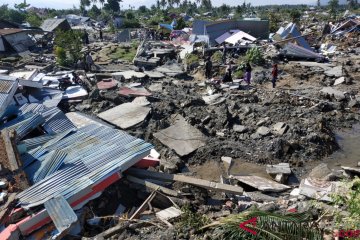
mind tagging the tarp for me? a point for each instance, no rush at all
(223, 37)
(233, 39)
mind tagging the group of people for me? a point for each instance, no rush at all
(247, 75)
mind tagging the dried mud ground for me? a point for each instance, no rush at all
(313, 119)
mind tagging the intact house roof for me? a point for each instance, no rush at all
(50, 25)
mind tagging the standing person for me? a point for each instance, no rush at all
(208, 68)
(89, 61)
(248, 73)
(224, 54)
(86, 37)
(101, 34)
(274, 74)
(228, 74)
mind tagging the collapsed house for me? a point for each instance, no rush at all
(14, 40)
(213, 30)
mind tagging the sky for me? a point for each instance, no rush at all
(65, 4)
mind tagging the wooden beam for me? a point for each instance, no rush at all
(153, 186)
(190, 180)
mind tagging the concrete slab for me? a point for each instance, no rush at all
(263, 184)
(154, 74)
(125, 115)
(107, 84)
(333, 92)
(181, 137)
(138, 91)
(168, 213)
(155, 87)
(141, 101)
(127, 75)
(339, 81)
(214, 99)
(282, 168)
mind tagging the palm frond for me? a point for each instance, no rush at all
(269, 226)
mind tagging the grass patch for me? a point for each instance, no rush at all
(125, 53)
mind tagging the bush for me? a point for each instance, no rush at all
(217, 57)
(131, 23)
(255, 55)
(60, 56)
(69, 42)
(191, 59)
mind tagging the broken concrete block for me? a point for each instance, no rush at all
(263, 131)
(213, 99)
(127, 75)
(280, 128)
(227, 163)
(339, 81)
(181, 137)
(240, 128)
(263, 184)
(262, 121)
(282, 168)
(333, 92)
(141, 101)
(317, 189)
(281, 178)
(295, 192)
(168, 213)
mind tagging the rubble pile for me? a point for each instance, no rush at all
(133, 145)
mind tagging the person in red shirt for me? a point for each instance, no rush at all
(274, 74)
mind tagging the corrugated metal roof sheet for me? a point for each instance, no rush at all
(93, 153)
(6, 86)
(61, 213)
(50, 25)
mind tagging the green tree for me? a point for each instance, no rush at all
(143, 9)
(130, 16)
(318, 3)
(21, 6)
(333, 5)
(33, 19)
(295, 15)
(180, 24)
(94, 12)
(113, 5)
(68, 45)
(11, 15)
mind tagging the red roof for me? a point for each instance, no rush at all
(8, 31)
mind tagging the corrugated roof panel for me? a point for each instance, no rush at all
(6, 86)
(93, 153)
(61, 213)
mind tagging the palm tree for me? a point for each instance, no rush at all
(163, 3)
(102, 2)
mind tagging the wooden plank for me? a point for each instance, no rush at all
(153, 186)
(143, 205)
(190, 180)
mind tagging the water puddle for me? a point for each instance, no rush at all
(349, 153)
